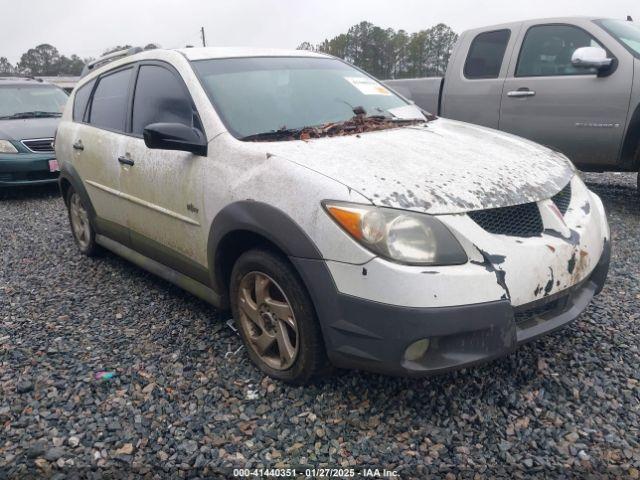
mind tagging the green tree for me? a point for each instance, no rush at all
(5, 66)
(337, 46)
(41, 60)
(70, 66)
(386, 53)
(439, 43)
(306, 46)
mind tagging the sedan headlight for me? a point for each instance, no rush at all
(398, 235)
(7, 147)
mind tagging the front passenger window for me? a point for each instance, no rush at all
(547, 51)
(159, 97)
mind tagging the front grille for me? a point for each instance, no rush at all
(524, 315)
(517, 221)
(31, 176)
(562, 199)
(41, 175)
(39, 145)
(543, 310)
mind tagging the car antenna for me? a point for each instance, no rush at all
(629, 19)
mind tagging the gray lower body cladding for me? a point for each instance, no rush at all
(374, 336)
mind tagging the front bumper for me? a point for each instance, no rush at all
(23, 169)
(373, 336)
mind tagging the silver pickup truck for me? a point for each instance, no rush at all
(567, 83)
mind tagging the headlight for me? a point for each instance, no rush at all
(398, 235)
(7, 147)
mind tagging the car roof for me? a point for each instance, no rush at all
(194, 53)
(205, 53)
(12, 81)
(548, 20)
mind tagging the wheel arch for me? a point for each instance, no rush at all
(69, 178)
(247, 224)
(630, 153)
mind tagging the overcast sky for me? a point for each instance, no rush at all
(87, 28)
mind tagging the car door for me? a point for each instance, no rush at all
(473, 85)
(573, 110)
(163, 188)
(100, 111)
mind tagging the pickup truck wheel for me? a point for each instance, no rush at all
(276, 318)
(81, 228)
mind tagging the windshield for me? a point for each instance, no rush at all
(268, 94)
(627, 33)
(31, 100)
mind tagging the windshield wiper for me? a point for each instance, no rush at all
(274, 134)
(360, 122)
(32, 114)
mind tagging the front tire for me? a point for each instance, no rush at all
(276, 318)
(81, 227)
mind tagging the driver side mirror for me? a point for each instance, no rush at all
(591, 57)
(175, 136)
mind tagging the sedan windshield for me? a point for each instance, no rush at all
(29, 101)
(284, 95)
(627, 33)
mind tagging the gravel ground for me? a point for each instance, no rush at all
(185, 401)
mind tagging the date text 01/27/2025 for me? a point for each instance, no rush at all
(315, 472)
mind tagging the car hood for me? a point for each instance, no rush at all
(441, 167)
(24, 128)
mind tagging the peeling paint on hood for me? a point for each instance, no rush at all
(441, 167)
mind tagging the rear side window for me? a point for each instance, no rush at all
(109, 105)
(547, 51)
(159, 97)
(80, 101)
(486, 54)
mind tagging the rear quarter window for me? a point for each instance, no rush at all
(81, 100)
(109, 104)
(486, 54)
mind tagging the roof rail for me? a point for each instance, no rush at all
(110, 57)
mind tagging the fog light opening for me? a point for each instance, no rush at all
(416, 350)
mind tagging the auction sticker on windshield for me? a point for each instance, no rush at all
(367, 86)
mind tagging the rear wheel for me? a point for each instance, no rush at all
(276, 318)
(81, 228)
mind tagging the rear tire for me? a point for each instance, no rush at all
(276, 318)
(81, 226)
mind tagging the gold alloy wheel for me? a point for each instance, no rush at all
(267, 320)
(79, 221)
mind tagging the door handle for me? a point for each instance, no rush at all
(78, 145)
(523, 92)
(126, 161)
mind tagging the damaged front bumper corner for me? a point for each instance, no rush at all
(373, 336)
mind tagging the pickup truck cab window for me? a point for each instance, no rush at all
(486, 54)
(547, 49)
(109, 105)
(159, 97)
